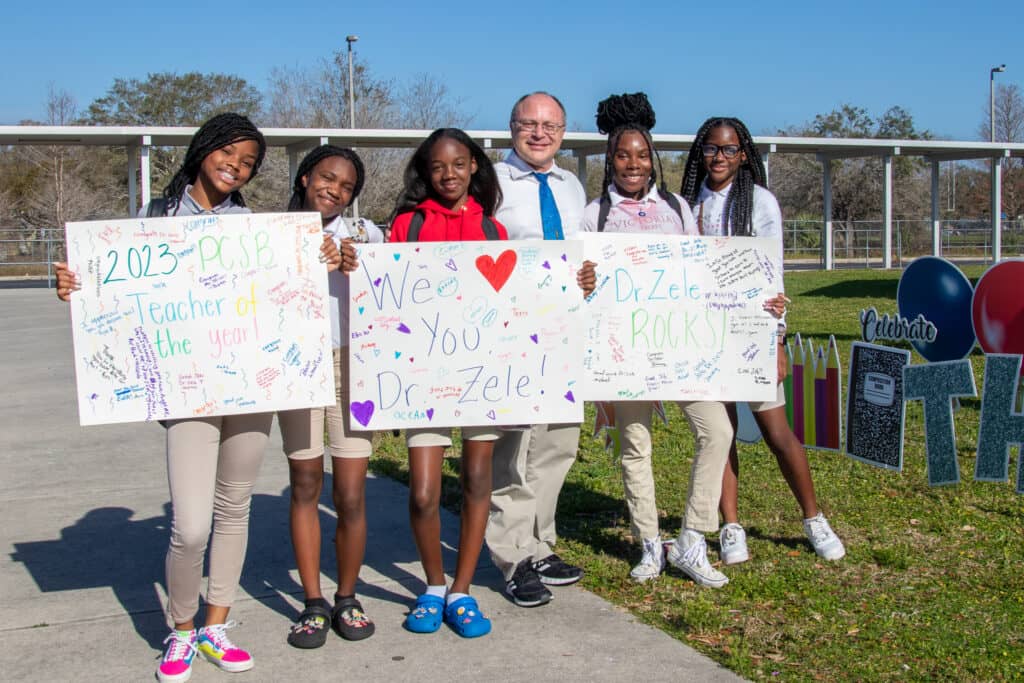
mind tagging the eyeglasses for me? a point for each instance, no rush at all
(548, 127)
(728, 151)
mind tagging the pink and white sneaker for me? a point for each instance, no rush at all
(176, 666)
(215, 646)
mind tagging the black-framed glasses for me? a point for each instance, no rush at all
(548, 127)
(728, 151)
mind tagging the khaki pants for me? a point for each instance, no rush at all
(302, 430)
(713, 432)
(212, 464)
(529, 469)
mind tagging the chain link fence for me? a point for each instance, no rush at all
(861, 243)
(30, 253)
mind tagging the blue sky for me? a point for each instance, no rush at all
(772, 64)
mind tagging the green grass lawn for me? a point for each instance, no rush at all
(932, 586)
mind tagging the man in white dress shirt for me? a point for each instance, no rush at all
(541, 201)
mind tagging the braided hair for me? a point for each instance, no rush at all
(618, 114)
(309, 162)
(219, 131)
(483, 185)
(739, 204)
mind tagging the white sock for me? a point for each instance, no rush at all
(452, 597)
(437, 591)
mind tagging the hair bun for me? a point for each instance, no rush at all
(626, 109)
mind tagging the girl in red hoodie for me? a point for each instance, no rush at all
(451, 193)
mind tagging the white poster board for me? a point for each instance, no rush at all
(199, 315)
(680, 318)
(465, 333)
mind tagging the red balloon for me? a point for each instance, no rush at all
(998, 308)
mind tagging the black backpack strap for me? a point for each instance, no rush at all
(602, 212)
(671, 200)
(415, 225)
(157, 207)
(490, 229)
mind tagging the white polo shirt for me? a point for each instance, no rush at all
(337, 281)
(650, 215)
(520, 205)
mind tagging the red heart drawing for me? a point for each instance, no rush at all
(497, 272)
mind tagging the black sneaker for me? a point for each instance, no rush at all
(525, 587)
(554, 571)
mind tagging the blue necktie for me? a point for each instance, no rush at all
(549, 216)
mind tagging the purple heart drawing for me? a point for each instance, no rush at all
(570, 397)
(376, 283)
(451, 264)
(546, 265)
(402, 327)
(430, 413)
(534, 338)
(490, 414)
(565, 259)
(362, 412)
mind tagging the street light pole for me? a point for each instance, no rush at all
(992, 100)
(352, 108)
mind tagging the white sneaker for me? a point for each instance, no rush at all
(651, 563)
(693, 560)
(732, 540)
(824, 540)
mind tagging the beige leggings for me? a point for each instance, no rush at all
(212, 465)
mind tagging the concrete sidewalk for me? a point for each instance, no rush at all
(84, 532)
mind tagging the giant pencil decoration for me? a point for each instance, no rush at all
(808, 389)
(813, 393)
(798, 389)
(834, 398)
(820, 400)
(788, 384)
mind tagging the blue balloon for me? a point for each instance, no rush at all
(938, 290)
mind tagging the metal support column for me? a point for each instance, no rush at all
(826, 208)
(997, 210)
(581, 166)
(936, 223)
(887, 215)
(144, 171)
(132, 152)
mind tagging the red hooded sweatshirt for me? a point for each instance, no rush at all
(445, 225)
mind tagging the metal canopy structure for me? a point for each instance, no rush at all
(138, 140)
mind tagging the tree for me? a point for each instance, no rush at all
(168, 99)
(317, 97)
(1009, 120)
(55, 184)
(1009, 115)
(857, 184)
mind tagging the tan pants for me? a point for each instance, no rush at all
(529, 469)
(713, 432)
(212, 464)
(302, 431)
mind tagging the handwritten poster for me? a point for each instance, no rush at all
(465, 333)
(199, 315)
(680, 318)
